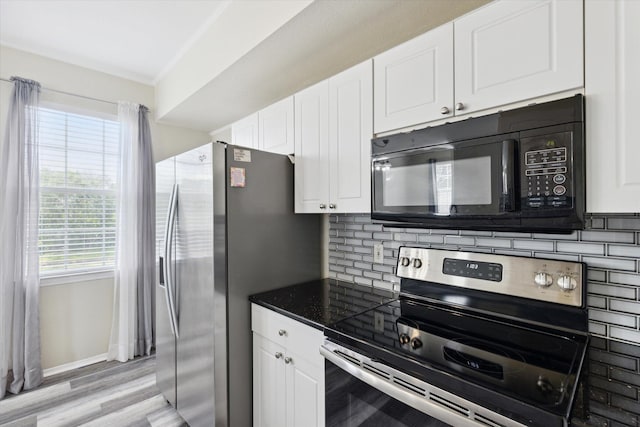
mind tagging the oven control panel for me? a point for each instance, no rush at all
(555, 281)
(475, 269)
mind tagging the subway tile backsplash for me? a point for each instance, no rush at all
(610, 246)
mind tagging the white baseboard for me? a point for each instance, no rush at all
(74, 365)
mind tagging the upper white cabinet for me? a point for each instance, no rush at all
(612, 88)
(333, 131)
(312, 149)
(511, 51)
(508, 51)
(275, 127)
(270, 129)
(244, 132)
(413, 82)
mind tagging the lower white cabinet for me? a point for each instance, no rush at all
(288, 371)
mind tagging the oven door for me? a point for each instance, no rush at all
(360, 391)
(350, 402)
(462, 179)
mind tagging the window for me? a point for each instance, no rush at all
(78, 167)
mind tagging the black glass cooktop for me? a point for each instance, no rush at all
(533, 364)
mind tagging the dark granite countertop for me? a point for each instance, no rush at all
(612, 382)
(322, 302)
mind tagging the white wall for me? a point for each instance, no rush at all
(76, 317)
(240, 27)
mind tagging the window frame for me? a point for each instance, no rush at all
(52, 278)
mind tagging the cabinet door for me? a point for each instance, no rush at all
(269, 383)
(612, 86)
(305, 392)
(245, 132)
(312, 149)
(275, 127)
(511, 51)
(350, 133)
(413, 82)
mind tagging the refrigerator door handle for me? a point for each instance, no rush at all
(168, 261)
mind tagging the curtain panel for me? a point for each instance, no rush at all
(132, 326)
(20, 356)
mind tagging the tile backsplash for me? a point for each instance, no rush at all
(610, 246)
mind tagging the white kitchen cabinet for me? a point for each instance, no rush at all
(505, 52)
(333, 131)
(275, 127)
(413, 82)
(244, 132)
(511, 51)
(312, 149)
(288, 371)
(612, 89)
(270, 129)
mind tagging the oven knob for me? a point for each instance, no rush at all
(416, 343)
(417, 263)
(543, 279)
(404, 261)
(404, 339)
(567, 283)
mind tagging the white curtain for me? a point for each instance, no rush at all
(20, 365)
(131, 330)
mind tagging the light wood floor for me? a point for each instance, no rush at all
(105, 394)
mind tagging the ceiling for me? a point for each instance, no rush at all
(134, 39)
(143, 40)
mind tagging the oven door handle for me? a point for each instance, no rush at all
(414, 400)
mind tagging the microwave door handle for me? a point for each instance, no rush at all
(507, 202)
(433, 207)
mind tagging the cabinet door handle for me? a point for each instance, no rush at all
(459, 106)
(278, 355)
(288, 360)
(444, 110)
(282, 332)
(323, 206)
(332, 206)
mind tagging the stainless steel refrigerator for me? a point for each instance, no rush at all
(226, 229)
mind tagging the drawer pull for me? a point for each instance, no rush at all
(288, 360)
(282, 332)
(278, 355)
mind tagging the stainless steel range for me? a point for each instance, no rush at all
(473, 340)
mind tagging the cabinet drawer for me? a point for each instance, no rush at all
(296, 337)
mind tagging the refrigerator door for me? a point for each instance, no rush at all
(268, 247)
(165, 338)
(195, 287)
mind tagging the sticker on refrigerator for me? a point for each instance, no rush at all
(240, 155)
(238, 177)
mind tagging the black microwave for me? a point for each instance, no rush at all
(516, 170)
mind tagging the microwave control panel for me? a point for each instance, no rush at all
(546, 180)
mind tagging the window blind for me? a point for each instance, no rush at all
(78, 174)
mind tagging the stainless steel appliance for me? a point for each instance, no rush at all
(473, 340)
(522, 169)
(230, 231)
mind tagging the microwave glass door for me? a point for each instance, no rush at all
(459, 179)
